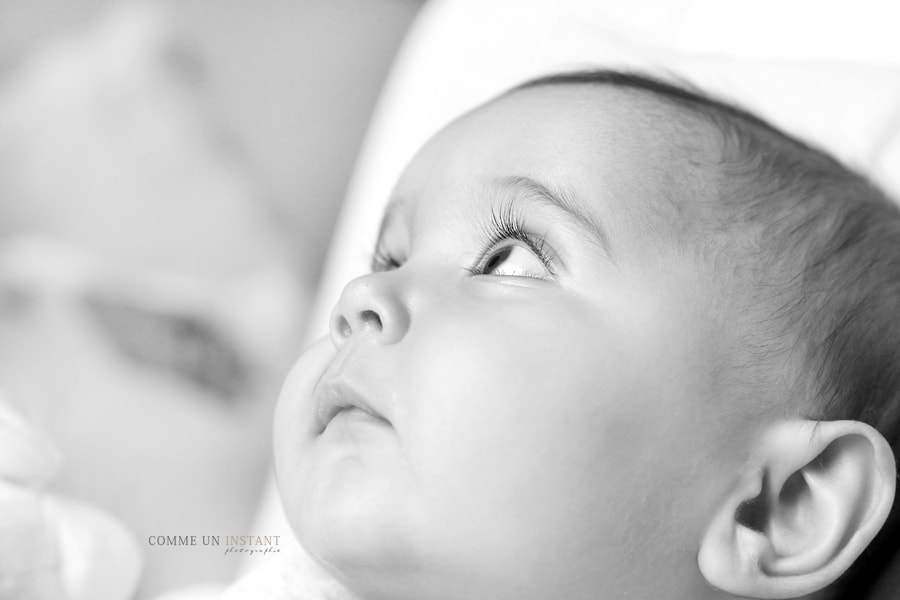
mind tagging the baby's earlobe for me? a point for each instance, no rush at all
(816, 495)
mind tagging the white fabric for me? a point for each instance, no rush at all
(827, 72)
(53, 547)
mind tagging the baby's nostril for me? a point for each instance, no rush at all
(343, 327)
(371, 319)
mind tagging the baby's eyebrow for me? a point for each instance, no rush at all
(560, 199)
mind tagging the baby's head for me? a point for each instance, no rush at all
(619, 340)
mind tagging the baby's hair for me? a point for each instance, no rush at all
(827, 252)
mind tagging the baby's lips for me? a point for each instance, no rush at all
(26, 456)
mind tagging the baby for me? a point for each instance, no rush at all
(619, 340)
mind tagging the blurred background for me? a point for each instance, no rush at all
(170, 173)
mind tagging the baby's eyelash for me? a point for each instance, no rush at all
(508, 224)
(382, 260)
(505, 224)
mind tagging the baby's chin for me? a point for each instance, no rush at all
(352, 511)
(354, 516)
(371, 552)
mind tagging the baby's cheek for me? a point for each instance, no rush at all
(508, 433)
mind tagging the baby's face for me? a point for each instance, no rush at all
(531, 369)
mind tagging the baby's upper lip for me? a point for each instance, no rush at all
(334, 394)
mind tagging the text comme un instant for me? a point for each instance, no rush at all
(213, 540)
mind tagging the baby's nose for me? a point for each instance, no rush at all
(371, 306)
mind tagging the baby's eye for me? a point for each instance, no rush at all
(514, 259)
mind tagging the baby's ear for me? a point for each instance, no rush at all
(815, 495)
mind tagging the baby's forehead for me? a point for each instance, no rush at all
(623, 154)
